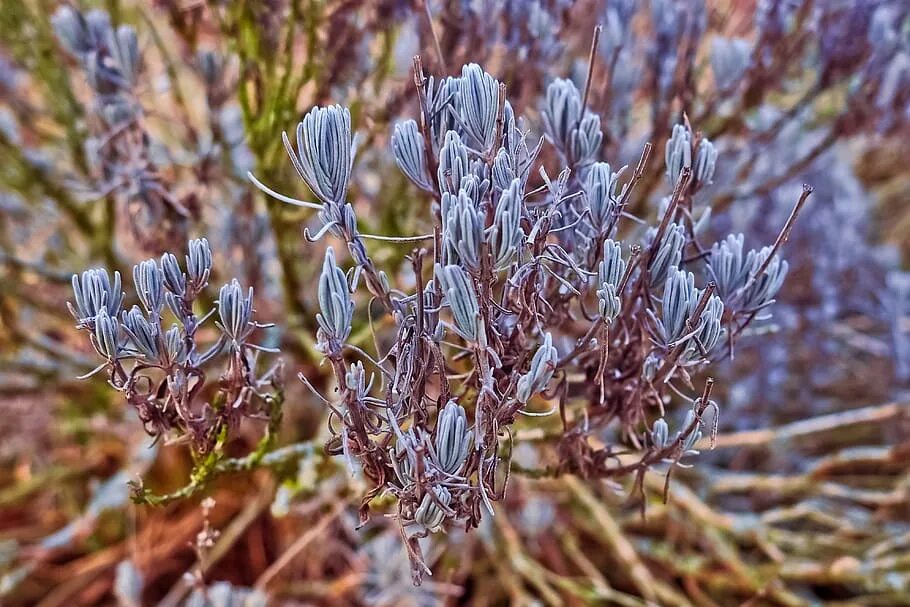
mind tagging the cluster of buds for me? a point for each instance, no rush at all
(499, 323)
(163, 372)
(120, 146)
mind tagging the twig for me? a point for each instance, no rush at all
(584, 100)
(823, 423)
(299, 544)
(619, 544)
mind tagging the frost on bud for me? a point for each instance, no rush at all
(124, 49)
(335, 305)
(475, 184)
(728, 267)
(199, 263)
(669, 253)
(678, 153)
(106, 337)
(613, 266)
(342, 220)
(324, 152)
(462, 230)
(174, 278)
(739, 284)
(761, 289)
(543, 364)
(660, 434)
(80, 34)
(705, 160)
(505, 235)
(609, 275)
(149, 281)
(143, 333)
(354, 380)
(708, 332)
(175, 345)
(462, 299)
(680, 299)
(404, 457)
(408, 149)
(692, 438)
(94, 292)
(479, 97)
(600, 192)
(453, 439)
(442, 99)
(503, 173)
(235, 312)
(608, 302)
(211, 67)
(577, 137)
(431, 514)
(453, 163)
(650, 366)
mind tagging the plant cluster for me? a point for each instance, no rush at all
(119, 149)
(527, 285)
(163, 373)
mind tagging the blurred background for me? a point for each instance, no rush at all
(806, 498)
